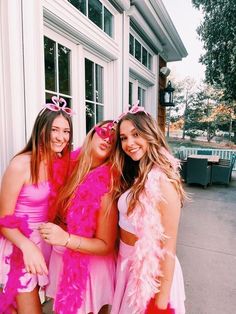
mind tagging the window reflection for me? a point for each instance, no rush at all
(97, 13)
(94, 91)
(57, 60)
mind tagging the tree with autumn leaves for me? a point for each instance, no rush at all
(218, 34)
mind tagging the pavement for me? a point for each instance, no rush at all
(207, 249)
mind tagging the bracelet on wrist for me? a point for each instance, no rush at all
(68, 240)
(79, 243)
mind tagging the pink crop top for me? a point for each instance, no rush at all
(124, 220)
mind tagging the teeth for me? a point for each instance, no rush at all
(134, 150)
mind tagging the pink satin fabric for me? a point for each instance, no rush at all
(32, 204)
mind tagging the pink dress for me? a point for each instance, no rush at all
(100, 283)
(129, 256)
(31, 205)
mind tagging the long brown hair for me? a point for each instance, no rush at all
(133, 174)
(83, 165)
(39, 144)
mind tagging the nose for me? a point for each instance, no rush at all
(129, 141)
(107, 140)
(60, 136)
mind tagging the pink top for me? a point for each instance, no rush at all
(33, 201)
(31, 210)
(124, 220)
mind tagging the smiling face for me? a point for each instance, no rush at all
(101, 144)
(132, 143)
(60, 134)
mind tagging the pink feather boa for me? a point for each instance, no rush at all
(81, 220)
(15, 259)
(147, 250)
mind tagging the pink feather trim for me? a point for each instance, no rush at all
(81, 220)
(15, 259)
(148, 252)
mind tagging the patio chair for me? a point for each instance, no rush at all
(183, 169)
(204, 152)
(222, 173)
(198, 171)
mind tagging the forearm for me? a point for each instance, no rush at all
(88, 245)
(15, 236)
(167, 266)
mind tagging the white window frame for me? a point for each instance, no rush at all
(74, 76)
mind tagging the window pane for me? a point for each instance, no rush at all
(48, 97)
(138, 48)
(50, 64)
(90, 116)
(144, 57)
(149, 61)
(108, 22)
(89, 80)
(64, 69)
(99, 113)
(80, 5)
(131, 44)
(143, 103)
(95, 12)
(130, 94)
(141, 96)
(68, 100)
(99, 83)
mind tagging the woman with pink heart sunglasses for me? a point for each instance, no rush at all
(82, 264)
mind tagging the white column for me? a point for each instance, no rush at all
(12, 114)
(33, 46)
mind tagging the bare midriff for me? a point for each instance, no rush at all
(127, 237)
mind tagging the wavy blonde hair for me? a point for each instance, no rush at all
(133, 174)
(83, 165)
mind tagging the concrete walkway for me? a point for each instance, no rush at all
(207, 249)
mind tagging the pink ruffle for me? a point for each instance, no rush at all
(15, 259)
(81, 220)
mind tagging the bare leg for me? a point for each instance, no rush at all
(29, 303)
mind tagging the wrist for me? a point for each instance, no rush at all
(68, 240)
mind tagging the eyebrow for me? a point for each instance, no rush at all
(58, 127)
(134, 129)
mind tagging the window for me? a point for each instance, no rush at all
(97, 13)
(94, 93)
(140, 53)
(57, 62)
(141, 96)
(130, 94)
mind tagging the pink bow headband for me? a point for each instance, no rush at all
(133, 110)
(55, 106)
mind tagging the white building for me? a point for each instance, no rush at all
(99, 55)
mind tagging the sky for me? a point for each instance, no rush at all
(186, 19)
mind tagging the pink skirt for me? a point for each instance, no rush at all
(6, 248)
(100, 283)
(120, 303)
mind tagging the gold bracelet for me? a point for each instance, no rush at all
(68, 240)
(78, 246)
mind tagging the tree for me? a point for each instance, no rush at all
(218, 33)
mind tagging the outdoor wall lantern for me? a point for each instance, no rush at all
(166, 95)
